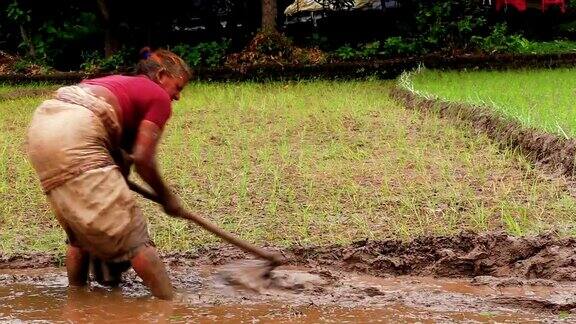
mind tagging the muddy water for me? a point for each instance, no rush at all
(298, 295)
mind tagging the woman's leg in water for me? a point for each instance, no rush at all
(148, 265)
(77, 263)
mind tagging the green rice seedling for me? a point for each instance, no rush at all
(305, 163)
(540, 98)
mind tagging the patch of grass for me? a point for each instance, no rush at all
(551, 47)
(544, 99)
(33, 90)
(26, 223)
(563, 315)
(306, 163)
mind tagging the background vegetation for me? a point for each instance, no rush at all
(104, 35)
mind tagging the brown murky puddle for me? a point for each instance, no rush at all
(315, 295)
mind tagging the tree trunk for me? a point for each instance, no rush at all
(111, 43)
(268, 15)
(26, 39)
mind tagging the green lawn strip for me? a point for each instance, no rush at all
(306, 163)
(550, 47)
(543, 99)
(32, 90)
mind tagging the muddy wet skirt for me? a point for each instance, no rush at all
(69, 143)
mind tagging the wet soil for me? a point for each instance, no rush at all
(489, 278)
(320, 294)
(467, 254)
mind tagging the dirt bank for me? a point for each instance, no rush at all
(551, 152)
(463, 255)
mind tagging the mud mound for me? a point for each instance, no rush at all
(6, 61)
(273, 49)
(24, 261)
(10, 64)
(552, 152)
(463, 255)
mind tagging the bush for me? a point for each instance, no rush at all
(94, 62)
(273, 48)
(499, 41)
(401, 46)
(364, 51)
(369, 50)
(209, 54)
(553, 47)
(42, 38)
(448, 25)
(346, 52)
(29, 66)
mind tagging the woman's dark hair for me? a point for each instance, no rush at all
(152, 63)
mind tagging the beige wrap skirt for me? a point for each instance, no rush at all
(69, 143)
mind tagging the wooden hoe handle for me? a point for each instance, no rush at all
(211, 227)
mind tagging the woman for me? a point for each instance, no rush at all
(77, 143)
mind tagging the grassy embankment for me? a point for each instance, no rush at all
(306, 163)
(544, 99)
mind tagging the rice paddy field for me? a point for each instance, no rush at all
(543, 99)
(316, 163)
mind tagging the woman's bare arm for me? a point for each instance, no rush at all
(144, 155)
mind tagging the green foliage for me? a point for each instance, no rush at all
(447, 24)
(30, 66)
(90, 62)
(500, 41)
(22, 66)
(364, 51)
(346, 52)
(392, 46)
(401, 46)
(553, 47)
(567, 28)
(17, 14)
(209, 54)
(370, 49)
(94, 62)
(42, 38)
